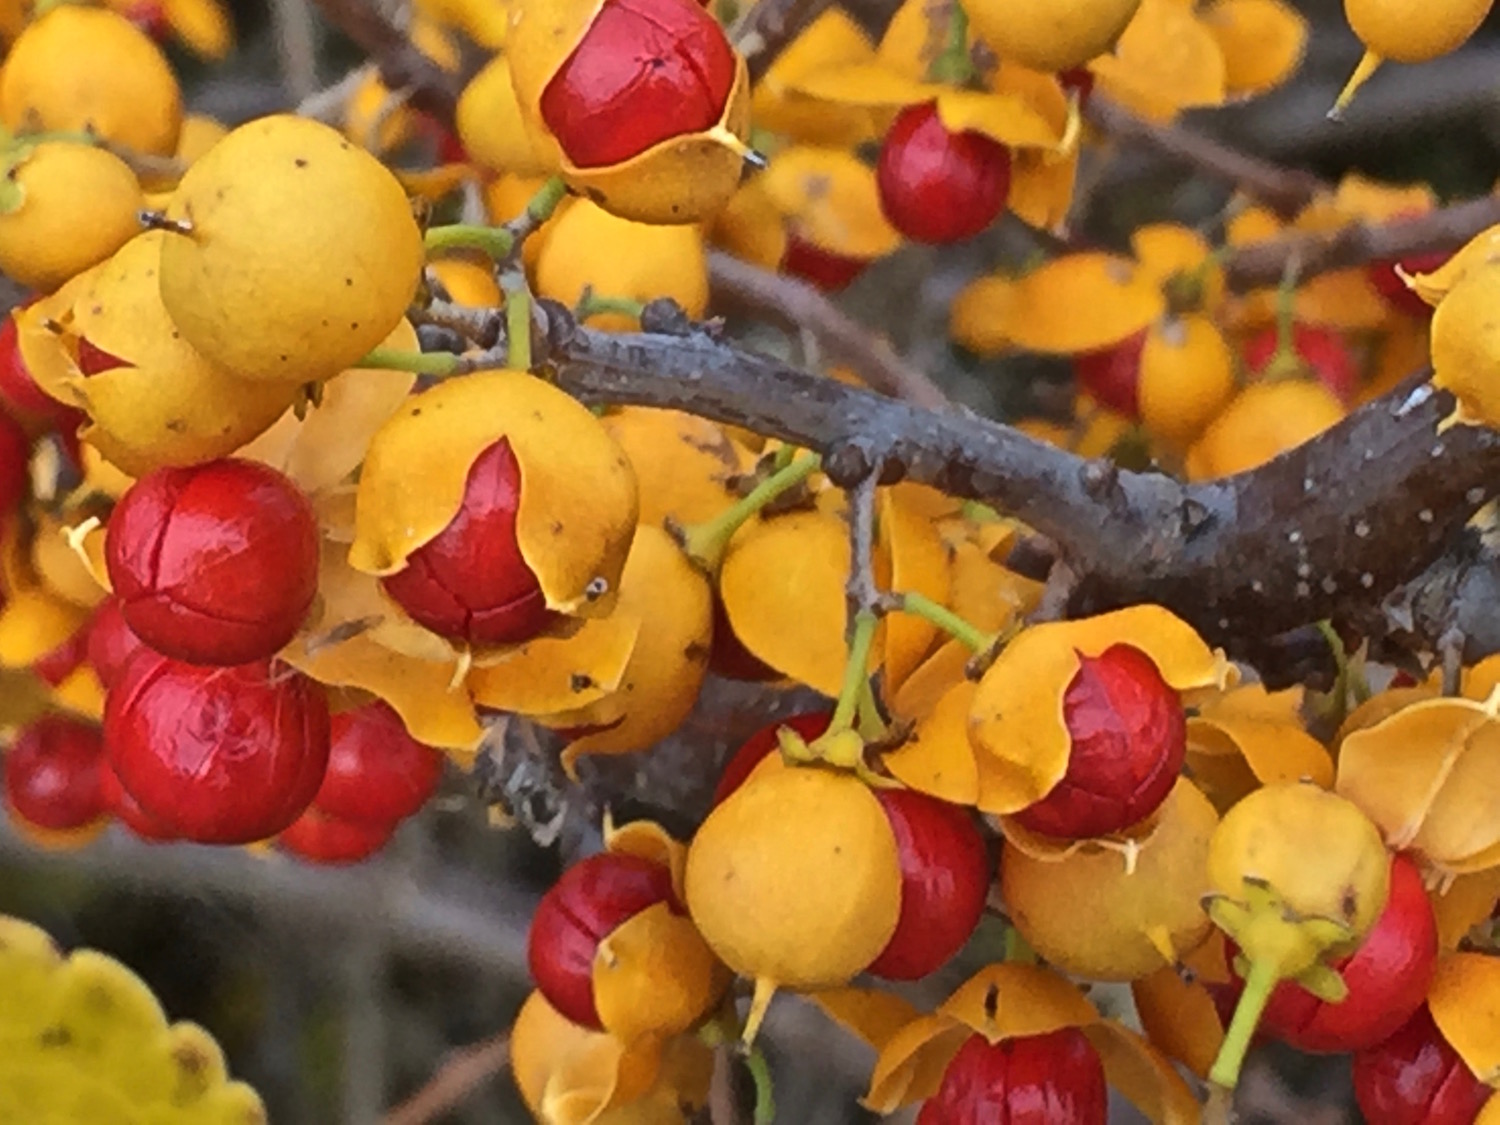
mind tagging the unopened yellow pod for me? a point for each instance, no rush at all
(65, 207)
(77, 69)
(298, 252)
(493, 129)
(1408, 31)
(1056, 35)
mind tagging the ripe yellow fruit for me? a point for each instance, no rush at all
(1056, 35)
(71, 206)
(1263, 421)
(301, 255)
(1187, 377)
(795, 881)
(77, 69)
(1415, 31)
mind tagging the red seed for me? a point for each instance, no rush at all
(111, 641)
(585, 906)
(1415, 1077)
(937, 186)
(1388, 283)
(319, 838)
(217, 755)
(15, 461)
(52, 774)
(1322, 351)
(645, 71)
(760, 744)
(1051, 1079)
(470, 582)
(94, 360)
(1387, 977)
(1129, 740)
(945, 876)
(216, 563)
(377, 773)
(1113, 375)
(27, 403)
(830, 272)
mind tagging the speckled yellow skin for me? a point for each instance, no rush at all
(303, 253)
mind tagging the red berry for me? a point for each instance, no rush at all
(1415, 1077)
(52, 774)
(216, 563)
(1051, 1079)
(645, 71)
(1387, 977)
(585, 906)
(1321, 350)
(125, 809)
(1388, 283)
(937, 186)
(54, 667)
(377, 773)
(15, 461)
(94, 360)
(830, 272)
(217, 755)
(1113, 375)
(111, 641)
(945, 876)
(20, 396)
(470, 582)
(760, 744)
(1129, 739)
(319, 838)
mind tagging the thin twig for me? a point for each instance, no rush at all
(801, 306)
(327, 105)
(402, 65)
(460, 1075)
(765, 30)
(861, 592)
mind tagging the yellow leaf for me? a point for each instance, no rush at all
(1186, 378)
(1465, 1004)
(1042, 310)
(1262, 42)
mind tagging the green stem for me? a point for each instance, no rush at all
(422, 363)
(872, 728)
(760, 1074)
(1285, 361)
(540, 207)
(496, 242)
(706, 542)
(954, 65)
(591, 305)
(856, 671)
(518, 326)
(1017, 948)
(920, 605)
(1259, 984)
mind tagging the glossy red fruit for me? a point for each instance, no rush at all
(760, 744)
(377, 773)
(937, 186)
(470, 583)
(945, 876)
(645, 71)
(1387, 977)
(319, 838)
(20, 397)
(111, 641)
(216, 563)
(588, 903)
(1416, 1078)
(217, 755)
(15, 460)
(1051, 1079)
(830, 272)
(124, 808)
(1129, 740)
(1388, 283)
(52, 774)
(1322, 351)
(54, 667)
(1113, 375)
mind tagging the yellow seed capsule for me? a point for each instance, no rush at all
(299, 252)
(77, 69)
(66, 207)
(1057, 35)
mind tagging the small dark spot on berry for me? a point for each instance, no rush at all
(348, 281)
(416, 412)
(354, 325)
(1349, 903)
(284, 357)
(557, 527)
(578, 681)
(300, 162)
(991, 1002)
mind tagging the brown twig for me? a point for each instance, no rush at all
(800, 305)
(402, 65)
(460, 1075)
(1445, 228)
(1285, 190)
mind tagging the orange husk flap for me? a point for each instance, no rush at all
(1178, 1014)
(912, 1061)
(1381, 706)
(683, 463)
(918, 564)
(1429, 777)
(1144, 1075)
(1247, 737)
(782, 584)
(81, 693)
(830, 199)
(649, 841)
(867, 1013)
(1465, 347)
(1461, 903)
(1465, 1002)
(985, 593)
(1165, 250)
(1127, 843)
(833, 39)
(868, 83)
(654, 975)
(930, 682)
(1038, 311)
(551, 674)
(936, 758)
(1262, 42)
(1166, 61)
(1017, 725)
(1481, 250)
(578, 501)
(1008, 1000)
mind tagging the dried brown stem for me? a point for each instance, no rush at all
(463, 1073)
(402, 66)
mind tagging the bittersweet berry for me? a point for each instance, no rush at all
(317, 837)
(1051, 1079)
(1320, 353)
(377, 773)
(52, 774)
(112, 642)
(939, 186)
(1113, 375)
(1415, 1077)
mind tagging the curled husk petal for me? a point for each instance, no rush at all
(1465, 1004)
(654, 975)
(1247, 737)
